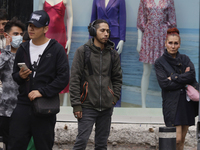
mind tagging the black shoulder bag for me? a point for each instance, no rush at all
(46, 106)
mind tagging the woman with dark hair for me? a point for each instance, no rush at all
(174, 71)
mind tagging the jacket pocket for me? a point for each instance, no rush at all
(84, 92)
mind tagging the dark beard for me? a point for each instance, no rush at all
(100, 41)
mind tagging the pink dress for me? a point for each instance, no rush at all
(57, 28)
(154, 20)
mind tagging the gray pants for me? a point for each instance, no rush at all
(102, 120)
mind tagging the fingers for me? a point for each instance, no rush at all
(187, 69)
(81, 114)
(31, 96)
(8, 39)
(24, 74)
(169, 78)
(78, 114)
(34, 94)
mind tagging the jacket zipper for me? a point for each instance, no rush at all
(100, 78)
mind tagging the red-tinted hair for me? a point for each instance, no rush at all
(173, 31)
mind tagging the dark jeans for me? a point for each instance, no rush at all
(4, 128)
(102, 120)
(24, 124)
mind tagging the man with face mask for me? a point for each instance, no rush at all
(13, 32)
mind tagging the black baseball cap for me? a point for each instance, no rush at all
(39, 18)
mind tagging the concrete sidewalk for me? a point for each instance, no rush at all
(119, 147)
(123, 136)
(110, 147)
(135, 127)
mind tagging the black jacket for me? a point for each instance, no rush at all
(52, 74)
(167, 66)
(103, 90)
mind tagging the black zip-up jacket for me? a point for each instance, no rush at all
(52, 74)
(103, 90)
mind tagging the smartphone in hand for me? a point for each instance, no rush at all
(22, 65)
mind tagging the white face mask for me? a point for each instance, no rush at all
(16, 41)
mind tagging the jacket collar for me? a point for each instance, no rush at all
(173, 61)
(109, 45)
(176, 63)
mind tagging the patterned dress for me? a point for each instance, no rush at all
(154, 20)
(8, 100)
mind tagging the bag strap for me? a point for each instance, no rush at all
(27, 82)
(112, 53)
(87, 53)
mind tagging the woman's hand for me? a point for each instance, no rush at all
(169, 78)
(187, 69)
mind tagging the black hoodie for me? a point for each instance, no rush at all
(52, 74)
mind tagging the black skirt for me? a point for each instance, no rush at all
(185, 113)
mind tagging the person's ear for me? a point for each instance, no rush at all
(46, 28)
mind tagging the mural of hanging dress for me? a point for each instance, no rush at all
(57, 28)
(154, 20)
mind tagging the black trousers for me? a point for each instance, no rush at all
(24, 124)
(102, 121)
(4, 128)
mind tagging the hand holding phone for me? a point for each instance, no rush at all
(22, 65)
(24, 74)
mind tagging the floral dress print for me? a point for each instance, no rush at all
(154, 20)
